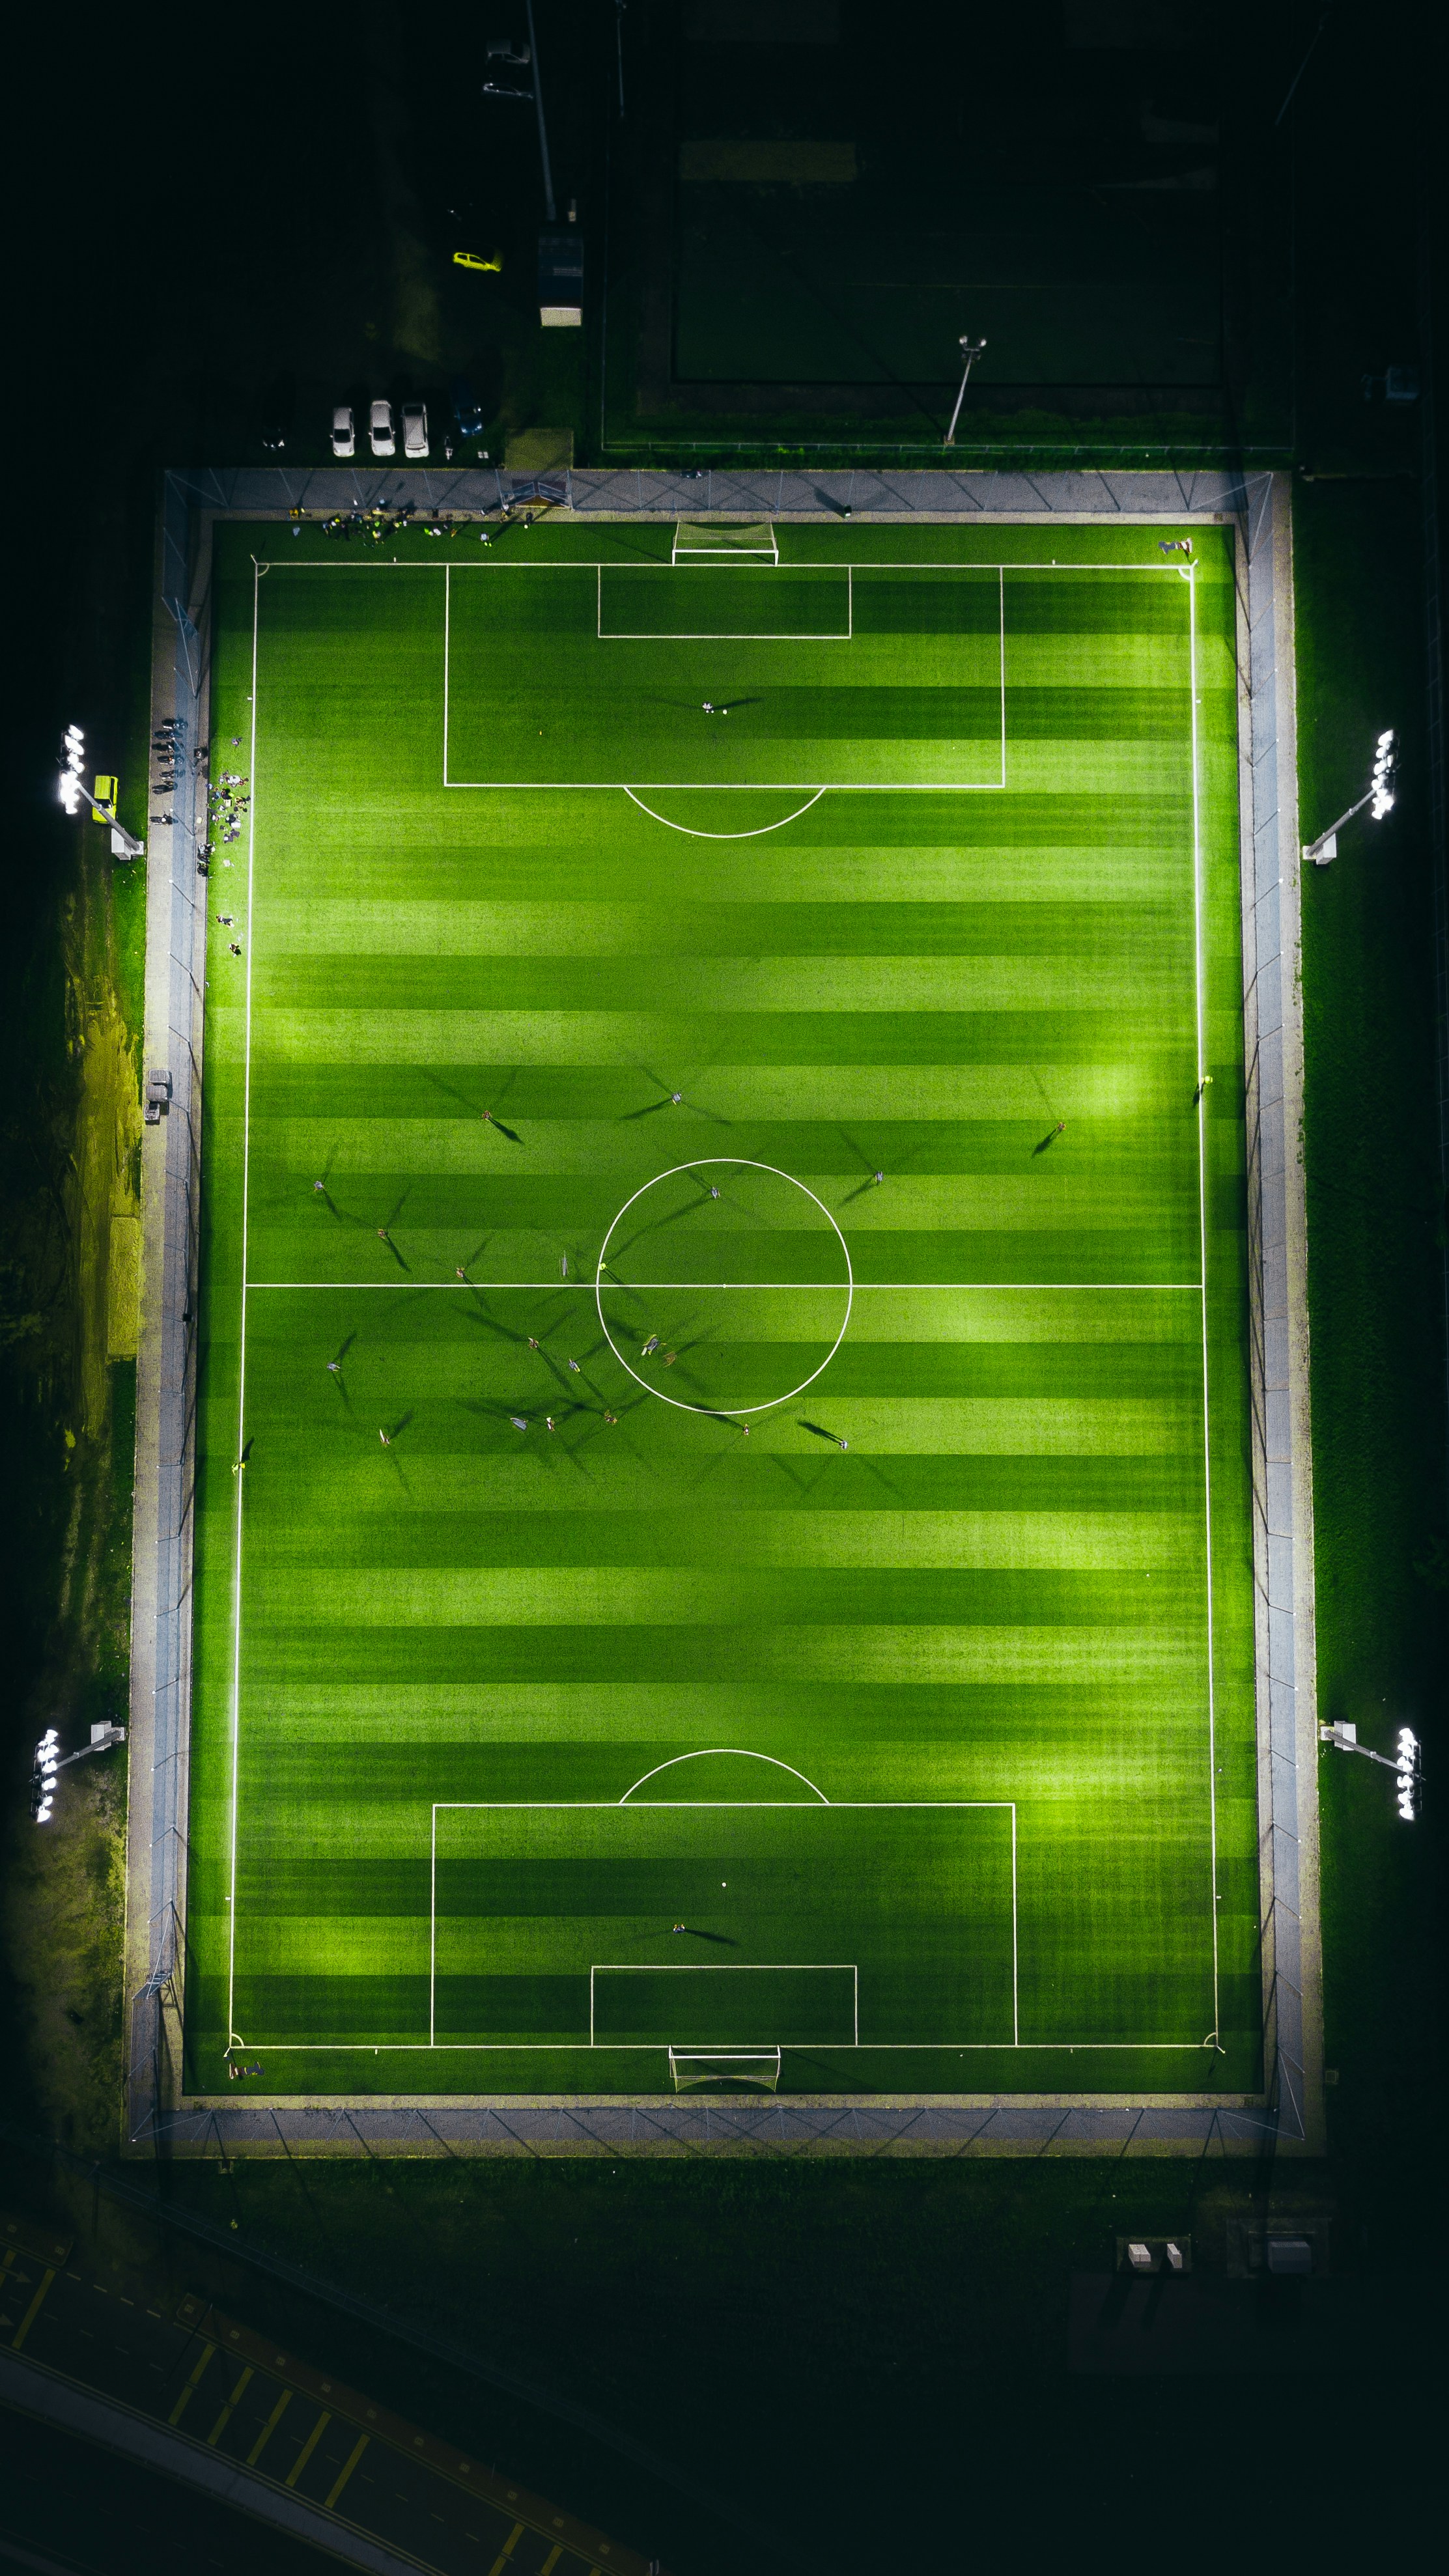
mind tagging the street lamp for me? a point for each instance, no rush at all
(1403, 1762)
(1379, 794)
(74, 793)
(970, 351)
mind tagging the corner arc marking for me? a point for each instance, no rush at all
(738, 1753)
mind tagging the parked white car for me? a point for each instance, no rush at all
(415, 430)
(344, 431)
(380, 430)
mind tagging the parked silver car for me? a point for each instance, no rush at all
(344, 431)
(415, 430)
(380, 430)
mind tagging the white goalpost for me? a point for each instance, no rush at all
(695, 2066)
(724, 541)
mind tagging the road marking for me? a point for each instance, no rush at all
(269, 2428)
(346, 2473)
(31, 2313)
(187, 2393)
(308, 2447)
(507, 2550)
(224, 2418)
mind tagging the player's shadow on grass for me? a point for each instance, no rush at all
(696, 1932)
(1049, 1138)
(478, 1312)
(818, 1431)
(672, 1097)
(394, 1431)
(477, 1109)
(335, 1367)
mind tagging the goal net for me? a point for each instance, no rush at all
(725, 541)
(694, 2066)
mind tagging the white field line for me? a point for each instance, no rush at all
(769, 1287)
(1015, 1945)
(591, 563)
(983, 1287)
(433, 1934)
(557, 2047)
(729, 787)
(1207, 1472)
(781, 787)
(242, 1333)
(1001, 663)
(719, 1806)
(756, 833)
(447, 660)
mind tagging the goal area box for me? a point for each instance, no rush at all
(648, 1925)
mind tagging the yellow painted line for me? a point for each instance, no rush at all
(31, 2313)
(551, 2561)
(269, 2428)
(308, 2447)
(224, 2418)
(346, 2473)
(184, 2400)
(507, 2550)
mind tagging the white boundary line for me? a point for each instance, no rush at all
(1207, 1475)
(982, 1287)
(725, 1968)
(705, 1806)
(241, 1400)
(764, 1287)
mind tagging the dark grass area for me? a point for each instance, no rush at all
(1376, 1219)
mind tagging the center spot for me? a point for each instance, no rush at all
(724, 1286)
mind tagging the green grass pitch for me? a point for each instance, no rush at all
(861, 1664)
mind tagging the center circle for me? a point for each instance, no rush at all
(707, 1343)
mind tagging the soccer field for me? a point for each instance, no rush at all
(731, 1295)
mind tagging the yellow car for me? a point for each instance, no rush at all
(475, 259)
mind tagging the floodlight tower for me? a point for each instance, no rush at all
(1379, 794)
(1404, 1761)
(970, 351)
(49, 1759)
(74, 793)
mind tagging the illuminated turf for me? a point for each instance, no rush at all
(877, 1589)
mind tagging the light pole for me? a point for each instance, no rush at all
(49, 1759)
(970, 351)
(1404, 1763)
(1379, 793)
(549, 206)
(74, 793)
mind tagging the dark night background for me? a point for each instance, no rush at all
(219, 225)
